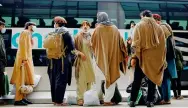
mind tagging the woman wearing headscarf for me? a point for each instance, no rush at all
(24, 58)
(170, 71)
(110, 53)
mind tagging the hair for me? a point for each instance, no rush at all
(157, 17)
(146, 13)
(27, 24)
(2, 23)
(60, 21)
(86, 22)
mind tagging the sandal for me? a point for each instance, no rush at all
(62, 104)
(80, 102)
(162, 102)
(168, 102)
(108, 104)
(175, 98)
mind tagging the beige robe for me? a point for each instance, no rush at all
(24, 53)
(84, 69)
(110, 51)
(149, 44)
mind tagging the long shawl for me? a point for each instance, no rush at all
(149, 45)
(110, 52)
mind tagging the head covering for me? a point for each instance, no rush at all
(102, 18)
(59, 19)
(27, 24)
(157, 17)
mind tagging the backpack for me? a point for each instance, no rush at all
(54, 45)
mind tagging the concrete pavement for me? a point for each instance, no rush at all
(175, 103)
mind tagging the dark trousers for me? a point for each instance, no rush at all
(176, 85)
(138, 76)
(2, 82)
(58, 80)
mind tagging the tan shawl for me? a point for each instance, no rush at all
(78, 40)
(149, 44)
(167, 30)
(109, 50)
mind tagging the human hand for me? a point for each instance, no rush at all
(133, 62)
(82, 56)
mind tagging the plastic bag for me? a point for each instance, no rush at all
(91, 97)
(36, 80)
(13, 91)
(71, 99)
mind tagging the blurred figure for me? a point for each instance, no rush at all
(3, 62)
(1, 19)
(42, 23)
(149, 56)
(170, 71)
(108, 45)
(24, 58)
(22, 20)
(176, 83)
(132, 29)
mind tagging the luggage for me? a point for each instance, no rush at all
(143, 92)
(4, 89)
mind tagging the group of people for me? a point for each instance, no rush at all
(151, 53)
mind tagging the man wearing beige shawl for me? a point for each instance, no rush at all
(110, 52)
(84, 71)
(149, 56)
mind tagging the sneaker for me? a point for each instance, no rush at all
(180, 97)
(132, 104)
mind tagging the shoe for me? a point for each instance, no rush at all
(26, 101)
(101, 102)
(150, 104)
(180, 97)
(20, 103)
(132, 104)
(175, 98)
